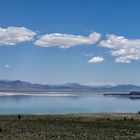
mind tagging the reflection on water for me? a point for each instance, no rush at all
(71, 104)
(134, 98)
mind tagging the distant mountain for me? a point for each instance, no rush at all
(23, 86)
(17, 85)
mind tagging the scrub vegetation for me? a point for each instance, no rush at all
(70, 127)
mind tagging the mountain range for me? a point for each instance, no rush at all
(23, 86)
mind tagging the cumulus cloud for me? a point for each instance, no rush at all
(14, 35)
(96, 59)
(66, 40)
(125, 50)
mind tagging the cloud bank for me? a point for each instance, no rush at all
(125, 50)
(14, 35)
(101, 84)
(66, 40)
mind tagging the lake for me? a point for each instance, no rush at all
(66, 104)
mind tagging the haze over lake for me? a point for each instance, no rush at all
(66, 104)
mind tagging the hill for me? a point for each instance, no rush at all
(23, 86)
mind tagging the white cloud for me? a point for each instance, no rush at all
(96, 59)
(96, 83)
(66, 40)
(89, 54)
(125, 50)
(7, 66)
(14, 35)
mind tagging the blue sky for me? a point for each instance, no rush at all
(85, 41)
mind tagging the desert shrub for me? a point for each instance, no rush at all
(107, 119)
(131, 119)
(124, 118)
(19, 116)
(0, 129)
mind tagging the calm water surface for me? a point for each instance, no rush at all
(70, 104)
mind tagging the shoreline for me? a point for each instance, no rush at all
(78, 114)
(40, 94)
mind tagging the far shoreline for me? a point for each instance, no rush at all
(51, 94)
(92, 114)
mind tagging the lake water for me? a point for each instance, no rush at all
(66, 104)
